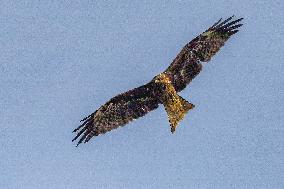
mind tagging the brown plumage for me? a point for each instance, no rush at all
(163, 89)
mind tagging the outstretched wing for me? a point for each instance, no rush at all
(118, 111)
(187, 64)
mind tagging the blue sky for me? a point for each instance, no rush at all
(61, 60)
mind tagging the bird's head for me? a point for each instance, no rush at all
(162, 78)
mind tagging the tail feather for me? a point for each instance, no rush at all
(186, 105)
(175, 106)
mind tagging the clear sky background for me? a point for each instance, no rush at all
(61, 60)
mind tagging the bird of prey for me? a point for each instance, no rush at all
(163, 88)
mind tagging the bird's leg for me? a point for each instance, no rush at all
(175, 106)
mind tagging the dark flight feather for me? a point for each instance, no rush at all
(137, 102)
(118, 111)
(187, 65)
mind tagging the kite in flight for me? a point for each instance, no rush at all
(163, 88)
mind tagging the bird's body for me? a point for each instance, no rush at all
(164, 87)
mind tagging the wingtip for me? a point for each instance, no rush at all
(225, 22)
(229, 26)
(216, 23)
(78, 143)
(233, 32)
